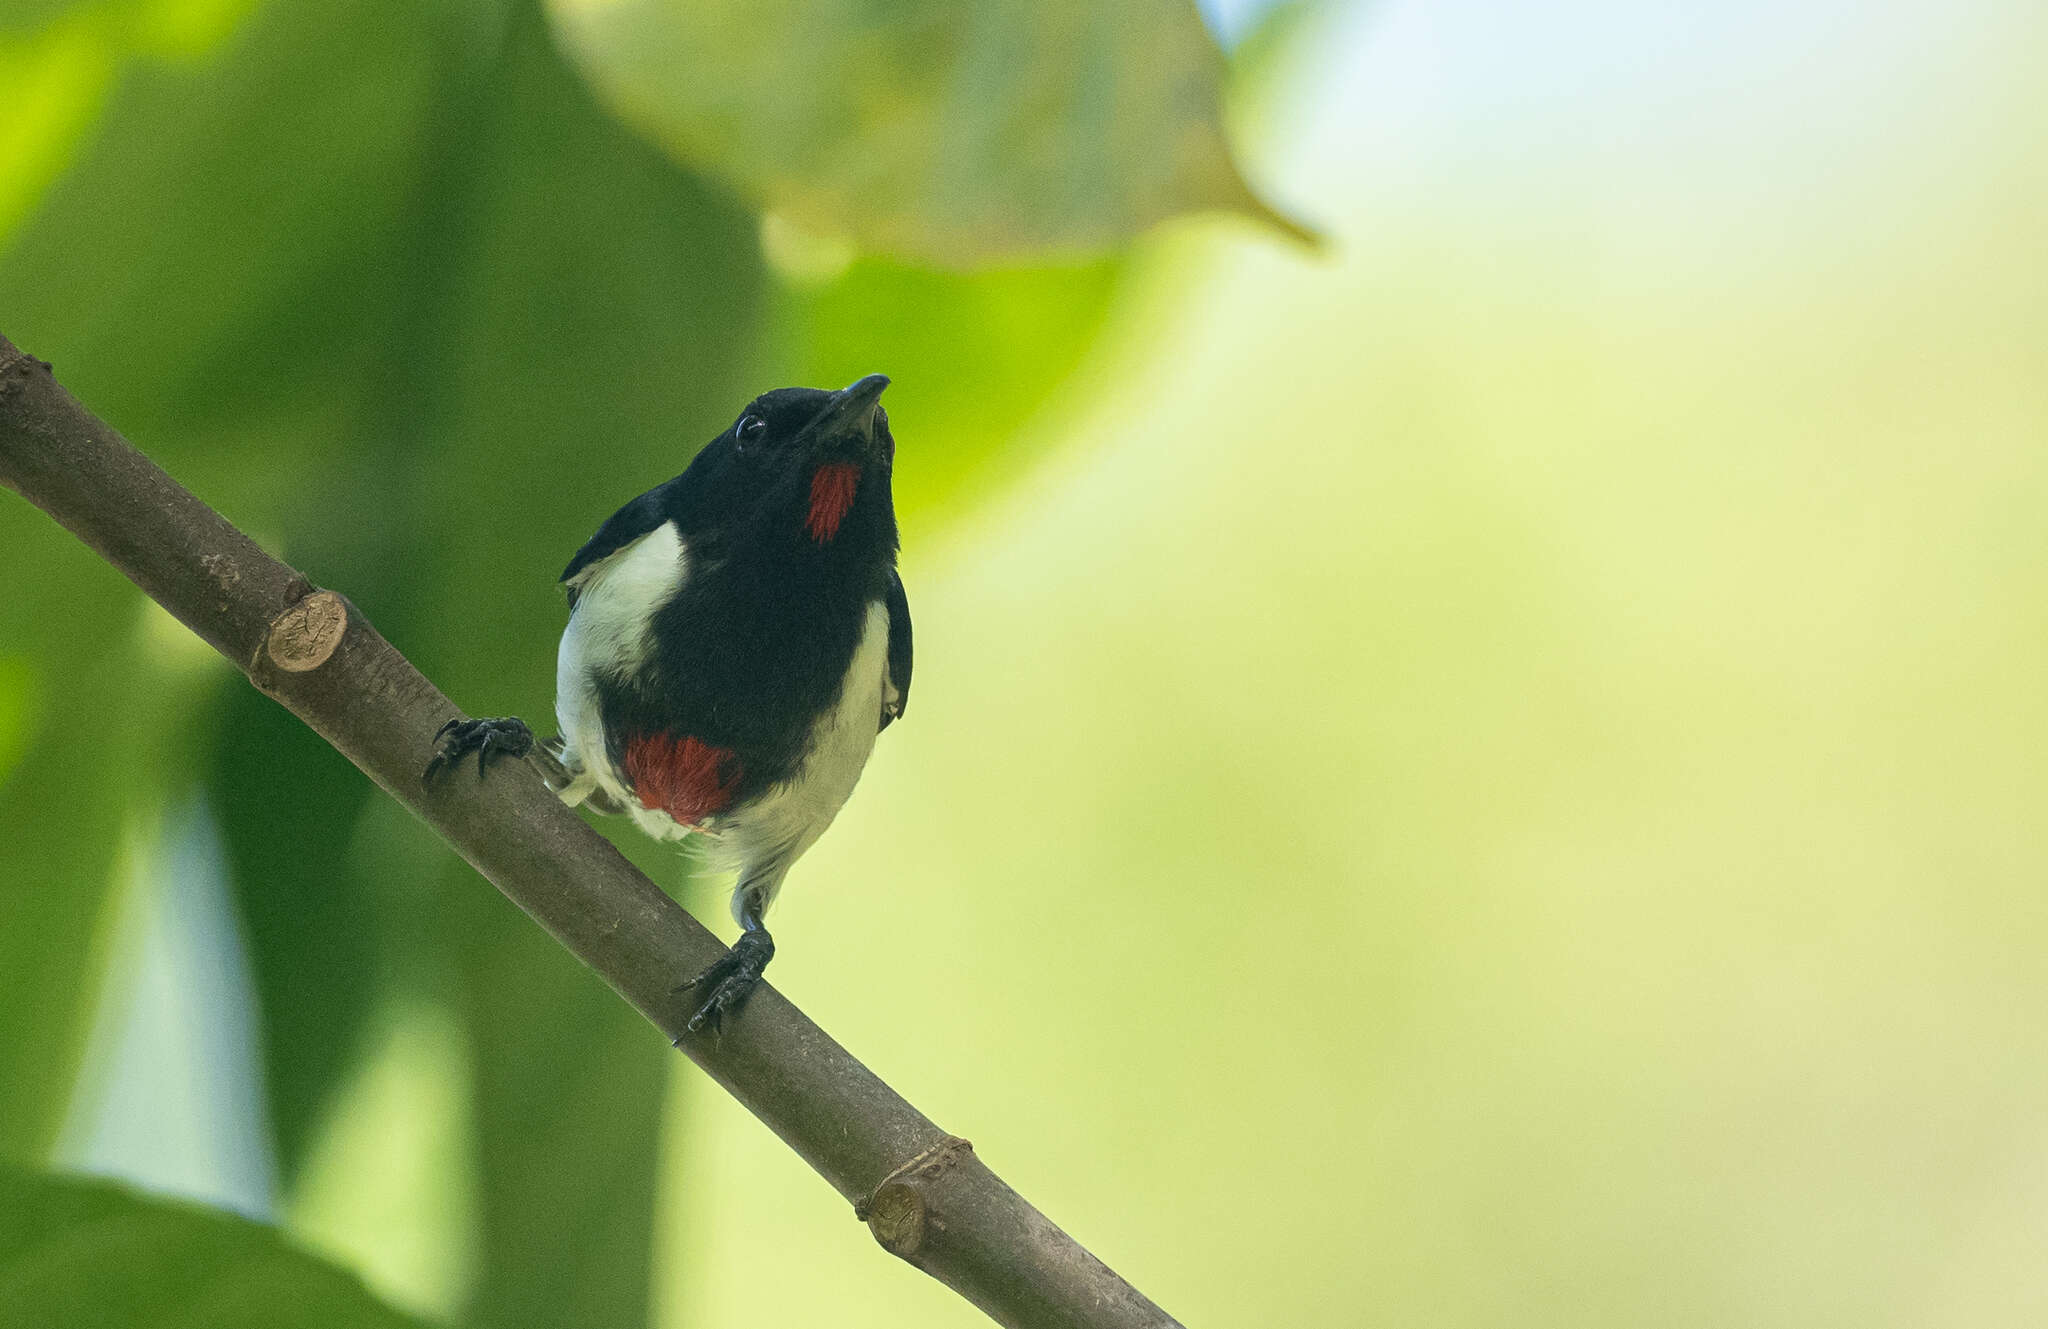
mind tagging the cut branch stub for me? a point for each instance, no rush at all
(303, 637)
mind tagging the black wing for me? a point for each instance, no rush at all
(620, 529)
(898, 605)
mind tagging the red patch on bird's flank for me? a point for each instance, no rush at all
(832, 487)
(686, 778)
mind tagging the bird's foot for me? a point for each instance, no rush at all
(728, 979)
(506, 737)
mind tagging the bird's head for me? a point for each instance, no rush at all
(803, 466)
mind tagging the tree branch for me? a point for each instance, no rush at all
(924, 1194)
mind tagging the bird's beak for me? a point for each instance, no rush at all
(851, 412)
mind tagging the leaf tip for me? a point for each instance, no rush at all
(1247, 202)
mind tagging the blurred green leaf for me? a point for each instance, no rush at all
(183, 279)
(17, 701)
(975, 356)
(161, 27)
(83, 1254)
(88, 718)
(568, 1088)
(192, 268)
(27, 16)
(936, 131)
(89, 761)
(287, 806)
(55, 80)
(59, 60)
(491, 316)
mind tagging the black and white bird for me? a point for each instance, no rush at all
(737, 638)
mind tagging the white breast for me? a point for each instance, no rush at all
(615, 599)
(761, 839)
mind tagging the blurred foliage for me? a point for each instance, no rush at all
(386, 283)
(78, 1254)
(81, 682)
(58, 61)
(1493, 779)
(934, 131)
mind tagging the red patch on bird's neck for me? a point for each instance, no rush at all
(832, 489)
(684, 777)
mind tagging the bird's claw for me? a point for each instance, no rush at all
(506, 737)
(728, 979)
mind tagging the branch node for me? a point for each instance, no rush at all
(880, 1210)
(304, 636)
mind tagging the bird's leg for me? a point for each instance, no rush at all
(506, 737)
(728, 979)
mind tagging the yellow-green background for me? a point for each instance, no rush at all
(1491, 776)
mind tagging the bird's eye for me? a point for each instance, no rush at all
(750, 429)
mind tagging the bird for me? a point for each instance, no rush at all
(737, 639)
